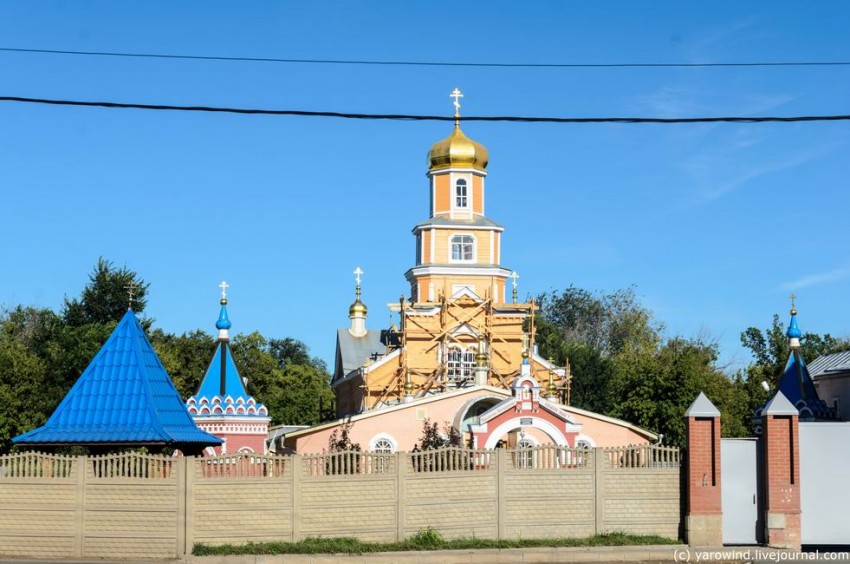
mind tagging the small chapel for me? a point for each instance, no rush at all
(464, 351)
(222, 406)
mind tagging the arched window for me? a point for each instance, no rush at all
(525, 456)
(383, 446)
(460, 193)
(463, 248)
(460, 363)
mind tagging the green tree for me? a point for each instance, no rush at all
(606, 322)
(591, 331)
(340, 439)
(27, 391)
(770, 349)
(291, 391)
(185, 357)
(433, 439)
(105, 297)
(654, 387)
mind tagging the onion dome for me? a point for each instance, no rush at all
(793, 329)
(357, 308)
(223, 321)
(458, 150)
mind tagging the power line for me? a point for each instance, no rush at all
(412, 117)
(429, 63)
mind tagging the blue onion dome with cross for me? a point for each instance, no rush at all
(222, 391)
(457, 150)
(796, 384)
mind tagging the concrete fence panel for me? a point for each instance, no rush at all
(135, 506)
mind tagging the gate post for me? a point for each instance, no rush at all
(780, 425)
(704, 523)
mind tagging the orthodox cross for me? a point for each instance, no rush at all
(131, 288)
(792, 296)
(224, 286)
(457, 95)
(514, 276)
(357, 273)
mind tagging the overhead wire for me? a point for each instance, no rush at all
(415, 117)
(426, 63)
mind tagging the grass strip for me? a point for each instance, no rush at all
(427, 539)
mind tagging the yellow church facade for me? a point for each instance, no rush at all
(459, 326)
(463, 354)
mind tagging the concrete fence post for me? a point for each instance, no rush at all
(780, 425)
(401, 461)
(82, 464)
(186, 492)
(704, 522)
(501, 493)
(599, 462)
(295, 496)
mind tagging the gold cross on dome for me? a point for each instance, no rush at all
(457, 95)
(793, 297)
(224, 286)
(131, 288)
(357, 273)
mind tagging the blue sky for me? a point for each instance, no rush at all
(714, 224)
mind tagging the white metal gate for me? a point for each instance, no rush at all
(824, 495)
(740, 472)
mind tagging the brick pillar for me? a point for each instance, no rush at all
(781, 431)
(704, 523)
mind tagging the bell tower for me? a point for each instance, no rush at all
(457, 248)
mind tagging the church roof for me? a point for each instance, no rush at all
(124, 396)
(222, 391)
(796, 384)
(441, 221)
(829, 364)
(353, 352)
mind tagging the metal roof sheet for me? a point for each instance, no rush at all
(123, 396)
(233, 395)
(796, 384)
(353, 352)
(830, 363)
(477, 221)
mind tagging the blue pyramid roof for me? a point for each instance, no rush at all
(796, 384)
(211, 384)
(222, 391)
(124, 396)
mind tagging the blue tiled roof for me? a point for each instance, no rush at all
(796, 384)
(211, 384)
(222, 392)
(123, 396)
(234, 400)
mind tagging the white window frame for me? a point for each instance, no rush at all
(388, 447)
(473, 245)
(373, 443)
(461, 200)
(460, 362)
(526, 458)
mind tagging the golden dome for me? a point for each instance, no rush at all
(457, 150)
(357, 308)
